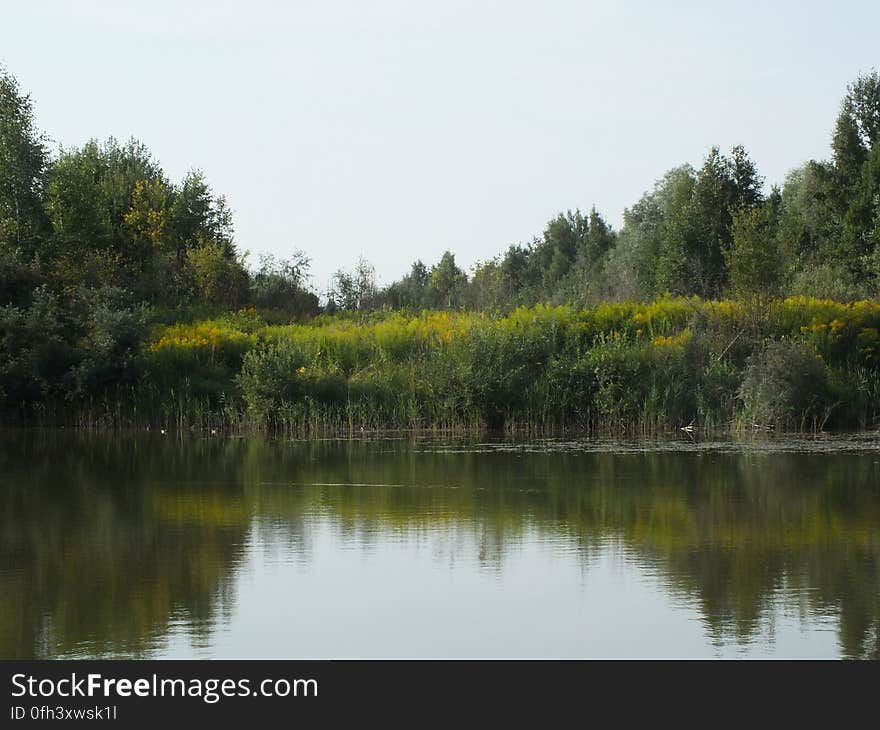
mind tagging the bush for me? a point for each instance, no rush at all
(786, 384)
(270, 378)
(110, 342)
(503, 363)
(280, 286)
(35, 358)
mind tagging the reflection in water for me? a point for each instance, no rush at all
(138, 545)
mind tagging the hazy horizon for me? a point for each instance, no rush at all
(396, 132)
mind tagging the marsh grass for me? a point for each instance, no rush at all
(798, 363)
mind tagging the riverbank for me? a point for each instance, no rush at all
(797, 364)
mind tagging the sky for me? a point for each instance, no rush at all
(397, 129)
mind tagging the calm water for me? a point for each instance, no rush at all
(139, 545)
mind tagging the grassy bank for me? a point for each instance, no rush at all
(794, 364)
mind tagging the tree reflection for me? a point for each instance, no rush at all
(109, 545)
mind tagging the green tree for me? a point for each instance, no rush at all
(862, 218)
(23, 160)
(409, 292)
(281, 284)
(355, 291)
(753, 259)
(446, 281)
(857, 173)
(858, 126)
(810, 223)
(89, 193)
(218, 277)
(696, 232)
(636, 258)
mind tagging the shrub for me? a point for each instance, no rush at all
(786, 384)
(271, 377)
(110, 343)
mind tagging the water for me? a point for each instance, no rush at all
(150, 546)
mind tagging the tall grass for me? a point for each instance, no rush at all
(666, 364)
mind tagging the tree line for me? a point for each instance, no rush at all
(97, 244)
(711, 232)
(105, 217)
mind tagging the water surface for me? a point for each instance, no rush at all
(139, 545)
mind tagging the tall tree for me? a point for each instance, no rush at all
(355, 291)
(857, 167)
(857, 129)
(89, 193)
(753, 260)
(23, 160)
(446, 281)
(696, 232)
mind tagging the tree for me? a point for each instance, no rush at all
(862, 217)
(600, 237)
(564, 238)
(857, 128)
(747, 182)
(857, 168)
(858, 124)
(146, 253)
(696, 230)
(677, 239)
(586, 276)
(638, 249)
(753, 260)
(23, 160)
(446, 282)
(89, 193)
(280, 284)
(410, 292)
(810, 224)
(218, 277)
(356, 291)
(848, 147)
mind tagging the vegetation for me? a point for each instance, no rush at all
(797, 363)
(125, 300)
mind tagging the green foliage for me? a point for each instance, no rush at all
(616, 367)
(858, 125)
(703, 232)
(280, 286)
(34, 356)
(753, 259)
(217, 277)
(446, 282)
(18, 277)
(108, 348)
(118, 285)
(23, 160)
(786, 384)
(357, 290)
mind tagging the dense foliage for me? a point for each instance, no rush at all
(795, 363)
(123, 297)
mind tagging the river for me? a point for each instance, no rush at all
(151, 545)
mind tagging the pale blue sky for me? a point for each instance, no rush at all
(397, 129)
